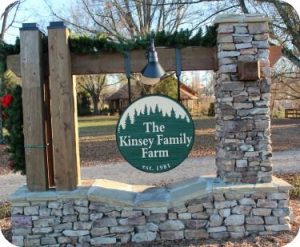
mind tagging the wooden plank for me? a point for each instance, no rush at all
(33, 106)
(275, 54)
(199, 58)
(13, 64)
(193, 58)
(63, 111)
(292, 113)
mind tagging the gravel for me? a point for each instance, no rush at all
(283, 162)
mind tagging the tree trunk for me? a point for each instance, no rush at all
(96, 105)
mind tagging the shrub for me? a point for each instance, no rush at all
(5, 209)
(14, 125)
(211, 110)
(278, 114)
(295, 191)
(104, 111)
(83, 104)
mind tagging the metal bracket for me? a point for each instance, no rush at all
(178, 62)
(128, 72)
(127, 65)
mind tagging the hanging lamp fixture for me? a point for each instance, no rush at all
(153, 71)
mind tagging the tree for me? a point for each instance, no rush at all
(5, 22)
(7, 19)
(14, 126)
(285, 24)
(168, 87)
(93, 85)
(83, 103)
(123, 19)
(126, 19)
(285, 83)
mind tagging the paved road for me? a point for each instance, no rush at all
(286, 161)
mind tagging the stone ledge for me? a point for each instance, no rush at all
(143, 196)
(234, 18)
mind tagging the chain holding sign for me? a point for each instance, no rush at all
(155, 134)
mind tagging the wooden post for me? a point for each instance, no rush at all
(48, 133)
(63, 110)
(33, 107)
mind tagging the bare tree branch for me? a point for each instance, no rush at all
(243, 6)
(4, 16)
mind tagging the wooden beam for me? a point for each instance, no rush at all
(13, 64)
(33, 108)
(63, 110)
(193, 58)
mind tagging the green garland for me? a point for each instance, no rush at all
(14, 125)
(5, 50)
(13, 121)
(178, 39)
(102, 43)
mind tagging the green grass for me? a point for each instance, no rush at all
(97, 126)
(295, 191)
(294, 180)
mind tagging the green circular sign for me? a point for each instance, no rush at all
(155, 134)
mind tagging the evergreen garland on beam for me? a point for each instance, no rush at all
(178, 39)
(103, 43)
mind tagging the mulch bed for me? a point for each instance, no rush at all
(5, 164)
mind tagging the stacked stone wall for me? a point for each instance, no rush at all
(220, 212)
(243, 149)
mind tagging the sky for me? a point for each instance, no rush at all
(38, 11)
(32, 11)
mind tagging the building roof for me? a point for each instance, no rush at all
(122, 92)
(186, 92)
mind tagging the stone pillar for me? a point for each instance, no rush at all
(243, 149)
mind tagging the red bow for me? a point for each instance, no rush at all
(7, 100)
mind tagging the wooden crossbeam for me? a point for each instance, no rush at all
(193, 58)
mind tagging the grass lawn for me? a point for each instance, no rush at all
(97, 138)
(97, 126)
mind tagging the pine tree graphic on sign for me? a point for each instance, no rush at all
(155, 134)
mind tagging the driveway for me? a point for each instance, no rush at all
(284, 162)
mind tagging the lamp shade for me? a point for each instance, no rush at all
(153, 71)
